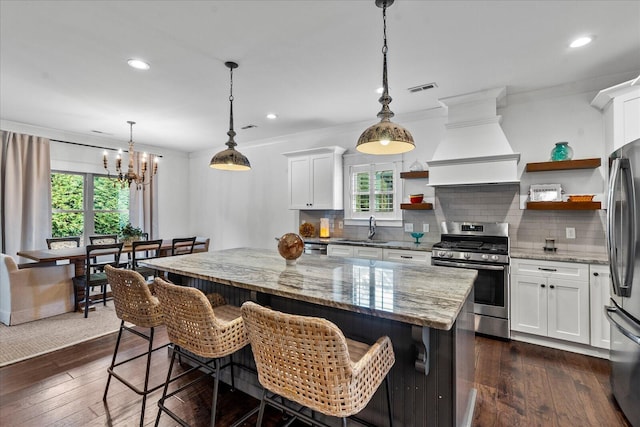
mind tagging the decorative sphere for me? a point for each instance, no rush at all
(291, 247)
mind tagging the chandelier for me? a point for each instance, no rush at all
(130, 177)
(230, 159)
(385, 137)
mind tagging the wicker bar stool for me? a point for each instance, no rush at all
(307, 360)
(135, 304)
(200, 325)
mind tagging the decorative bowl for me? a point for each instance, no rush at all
(417, 236)
(416, 198)
(290, 247)
(581, 198)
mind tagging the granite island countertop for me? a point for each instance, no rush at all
(411, 293)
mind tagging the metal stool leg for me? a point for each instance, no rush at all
(146, 377)
(113, 360)
(166, 387)
(261, 410)
(386, 384)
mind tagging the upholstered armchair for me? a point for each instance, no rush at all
(28, 294)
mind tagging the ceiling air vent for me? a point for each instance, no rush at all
(420, 88)
(249, 127)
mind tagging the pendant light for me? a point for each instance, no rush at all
(230, 159)
(385, 137)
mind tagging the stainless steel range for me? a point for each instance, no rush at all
(483, 247)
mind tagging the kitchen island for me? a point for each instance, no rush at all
(426, 311)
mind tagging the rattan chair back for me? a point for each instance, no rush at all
(306, 360)
(63, 242)
(193, 325)
(132, 298)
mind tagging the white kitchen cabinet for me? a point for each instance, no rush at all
(407, 256)
(550, 299)
(600, 288)
(315, 179)
(620, 106)
(366, 252)
(340, 250)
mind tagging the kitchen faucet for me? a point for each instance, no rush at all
(372, 226)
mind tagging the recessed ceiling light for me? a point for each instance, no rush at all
(581, 41)
(272, 116)
(379, 90)
(138, 64)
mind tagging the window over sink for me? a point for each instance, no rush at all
(372, 189)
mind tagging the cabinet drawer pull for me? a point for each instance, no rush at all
(596, 274)
(406, 256)
(542, 286)
(551, 286)
(547, 269)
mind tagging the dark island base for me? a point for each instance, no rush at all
(443, 397)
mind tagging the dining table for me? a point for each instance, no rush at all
(78, 255)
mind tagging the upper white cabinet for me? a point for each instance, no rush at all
(600, 288)
(550, 299)
(620, 105)
(315, 178)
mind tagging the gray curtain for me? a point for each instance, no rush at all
(143, 205)
(25, 184)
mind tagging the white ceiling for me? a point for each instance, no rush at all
(314, 63)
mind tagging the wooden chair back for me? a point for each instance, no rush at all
(182, 245)
(142, 250)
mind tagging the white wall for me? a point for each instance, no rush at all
(250, 208)
(173, 176)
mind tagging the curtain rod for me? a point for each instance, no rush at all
(96, 146)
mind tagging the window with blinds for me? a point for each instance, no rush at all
(373, 191)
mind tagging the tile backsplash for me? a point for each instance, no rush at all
(486, 203)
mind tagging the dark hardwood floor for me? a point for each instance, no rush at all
(517, 383)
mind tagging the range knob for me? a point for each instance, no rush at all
(466, 255)
(449, 254)
(441, 254)
(494, 257)
(485, 256)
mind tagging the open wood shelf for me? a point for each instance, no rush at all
(564, 165)
(564, 206)
(417, 206)
(414, 175)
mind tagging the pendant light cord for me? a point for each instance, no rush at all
(385, 113)
(231, 143)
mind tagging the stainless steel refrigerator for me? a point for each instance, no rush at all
(623, 245)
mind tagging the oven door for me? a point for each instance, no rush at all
(491, 288)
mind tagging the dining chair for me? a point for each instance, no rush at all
(142, 250)
(199, 326)
(308, 360)
(201, 245)
(102, 239)
(93, 275)
(180, 246)
(135, 305)
(63, 242)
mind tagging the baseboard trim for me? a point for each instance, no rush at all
(560, 345)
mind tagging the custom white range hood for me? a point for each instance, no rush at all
(474, 150)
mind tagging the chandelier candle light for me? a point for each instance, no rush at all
(230, 159)
(385, 137)
(131, 177)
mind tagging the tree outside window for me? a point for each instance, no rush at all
(87, 204)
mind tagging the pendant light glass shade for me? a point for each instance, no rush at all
(385, 137)
(230, 159)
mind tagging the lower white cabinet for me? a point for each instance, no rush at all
(366, 252)
(550, 299)
(406, 256)
(600, 288)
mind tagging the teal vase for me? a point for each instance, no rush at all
(561, 151)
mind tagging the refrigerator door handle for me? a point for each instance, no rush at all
(621, 174)
(611, 313)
